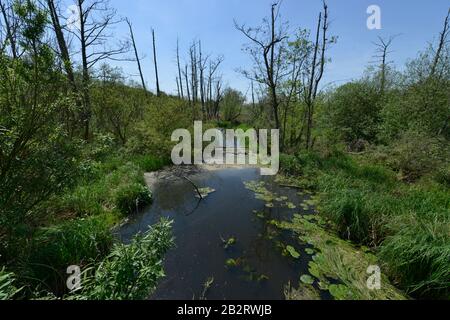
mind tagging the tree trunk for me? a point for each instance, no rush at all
(158, 92)
(138, 60)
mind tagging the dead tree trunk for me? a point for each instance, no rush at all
(138, 60)
(9, 30)
(442, 42)
(314, 80)
(158, 92)
(64, 52)
(179, 71)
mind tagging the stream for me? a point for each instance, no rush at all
(254, 266)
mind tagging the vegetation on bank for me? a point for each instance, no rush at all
(405, 225)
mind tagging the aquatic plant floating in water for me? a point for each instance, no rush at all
(228, 243)
(291, 250)
(307, 279)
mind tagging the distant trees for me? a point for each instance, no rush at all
(232, 104)
(202, 81)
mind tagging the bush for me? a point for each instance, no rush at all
(290, 165)
(131, 197)
(131, 272)
(354, 112)
(415, 155)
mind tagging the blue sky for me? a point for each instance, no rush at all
(211, 21)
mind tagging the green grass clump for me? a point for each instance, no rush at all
(151, 163)
(77, 242)
(131, 197)
(418, 254)
(130, 272)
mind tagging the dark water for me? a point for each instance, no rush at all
(199, 228)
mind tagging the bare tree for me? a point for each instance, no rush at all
(96, 18)
(158, 91)
(382, 52)
(316, 71)
(138, 60)
(180, 78)
(266, 56)
(62, 44)
(443, 40)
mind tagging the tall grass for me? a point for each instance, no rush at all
(78, 242)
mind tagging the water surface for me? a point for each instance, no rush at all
(231, 211)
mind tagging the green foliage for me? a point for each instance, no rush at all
(77, 242)
(153, 134)
(131, 272)
(414, 155)
(232, 104)
(422, 107)
(37, 157)
(418, 253)
(7, 288)
(130, 198)
(353, 111)
(409, 224)
(150, 163)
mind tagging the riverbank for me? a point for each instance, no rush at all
(404, 225)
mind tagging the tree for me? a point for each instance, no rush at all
(382, 52)
(265, 41)
(443, 41)
(180, 78)
(36, 158)
(316, 67)
(232, 104)
(158, 92)
(10, 23)
(138, 60)
(96, 18)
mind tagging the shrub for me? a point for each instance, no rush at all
(354, 113)
(131, 272)
(415, 155)
(290, 165)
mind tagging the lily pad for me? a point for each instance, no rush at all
(290, 205)
(291, 250)
(307, 279)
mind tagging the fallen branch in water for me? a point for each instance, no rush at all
(195, 186)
